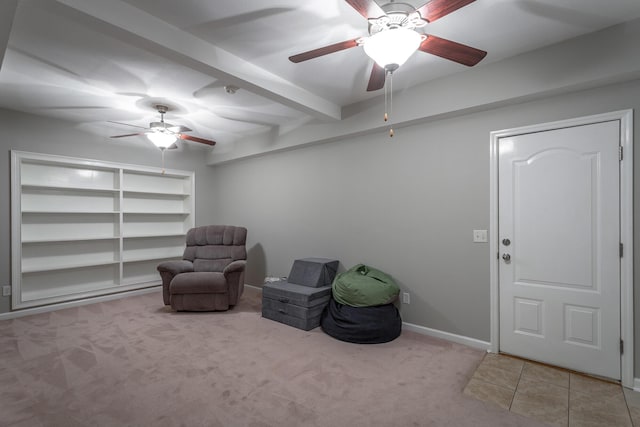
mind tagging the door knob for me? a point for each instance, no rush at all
(506, 257)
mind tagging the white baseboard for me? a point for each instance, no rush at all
(86, 301)
(636, 384)
(460, 339)
(253, 287)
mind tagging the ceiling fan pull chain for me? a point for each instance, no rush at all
(391, 104)
(386, 115)
(162, 151)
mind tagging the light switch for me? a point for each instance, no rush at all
(480, 236)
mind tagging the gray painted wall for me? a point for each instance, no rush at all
(40, 135)
(406, 205)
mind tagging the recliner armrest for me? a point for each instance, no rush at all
(235, 266)
(176, 267)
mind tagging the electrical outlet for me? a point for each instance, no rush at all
(6, 291)
(406, 298)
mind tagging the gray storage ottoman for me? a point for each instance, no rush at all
(294, 305)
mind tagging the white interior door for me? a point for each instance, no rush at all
(559, 232)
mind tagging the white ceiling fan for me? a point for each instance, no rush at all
(396, 32)
(162, 134)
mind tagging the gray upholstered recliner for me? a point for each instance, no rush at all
(211, 274)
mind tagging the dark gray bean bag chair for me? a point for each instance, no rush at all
(361, 325)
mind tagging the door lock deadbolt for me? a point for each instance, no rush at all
(506, 242)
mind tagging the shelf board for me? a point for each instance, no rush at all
(68, 239)
(31, 211)
(157, 193)
(80, 189)
(143, 236)
(154, 213)
(146, 284)
(151, 258)
(68, 266)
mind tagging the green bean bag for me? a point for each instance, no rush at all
(363, 286)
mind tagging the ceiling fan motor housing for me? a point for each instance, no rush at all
(162, 108)
(394, 6)
(394, 20)
(160, 125)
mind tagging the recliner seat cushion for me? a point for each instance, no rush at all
(199, 283)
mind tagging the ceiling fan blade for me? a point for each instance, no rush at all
(367, 8)
(196, 139)
(436, 9)
(377, 79)
(323, 51)
(127, 124)
(453, 51)
(129, 134)
(179, 129)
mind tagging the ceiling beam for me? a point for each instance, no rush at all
(170, 42)
(562, 68)
(7, 13)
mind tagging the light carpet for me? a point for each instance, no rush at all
(133, 362)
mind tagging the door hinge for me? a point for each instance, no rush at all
(621, 250)
(620, 153)
(621, 347)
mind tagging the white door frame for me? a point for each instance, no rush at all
(626, 227)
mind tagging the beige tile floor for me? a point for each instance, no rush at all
(552, 395)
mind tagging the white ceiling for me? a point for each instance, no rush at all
(95, 61)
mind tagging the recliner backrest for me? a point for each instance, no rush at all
(213, 247)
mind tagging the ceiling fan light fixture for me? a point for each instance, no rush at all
(391, 48)
(161, 139)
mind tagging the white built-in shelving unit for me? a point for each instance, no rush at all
(83, 228)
